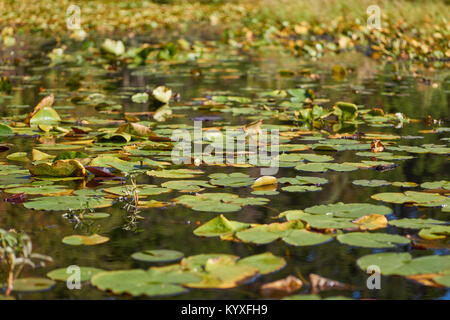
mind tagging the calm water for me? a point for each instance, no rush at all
(236, 73)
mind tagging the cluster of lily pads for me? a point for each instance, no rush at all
(103, 155)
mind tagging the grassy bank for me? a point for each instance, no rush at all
(416, 30)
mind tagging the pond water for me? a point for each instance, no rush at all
(231, 73)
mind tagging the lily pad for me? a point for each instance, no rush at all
(160, 255)
(32, 284)
(62, 274)
(77, 240)
(372, 240)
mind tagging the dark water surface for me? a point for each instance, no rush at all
(372, 84)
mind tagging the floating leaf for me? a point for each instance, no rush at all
(77, 240)
(348, 210)
(231, 180)
(32, 284)
(67, 202)
(219, 226)
(59, 168)
(372, 240)
(160, 255)
(86, 273)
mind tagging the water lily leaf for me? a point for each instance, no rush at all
(96, 215)
(59, 168)
(52, 190)
(5, 130)
(372, 222)
(372, 240)
(174, 173)
(443, 184)
(264, 181)
(404, 184)
(371, 183)
(388, 262)
(348, 210)
(62, 274)
(218, 202)
(305, 238)
(162, 94)
(262, 234)
(436, 232)
(135, 130)
(37, 155)
(142, 190)
(18, 156)
(403, 264)
(219, 226)
(218, 271)
(77, 240)
(141, 97)
(319, 221)
(303, 180)
(160, 255)
(116, 48)
(414, 197)
(187, 185)
(43, 113)
(114, 162)
(416, 223)
(300, 188)
(71, 155)
(443, 280)
(32, 284)
(325, 166)
(67, 202)
(154, 282)
(345, 111)
(235, 180)
(265, 262)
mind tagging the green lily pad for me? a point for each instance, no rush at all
(32, 284)
(160, 255)
(305, 238)
(86, 273)
(163, 281)
(372, 240)
(77, 240)
(142, 190)
(67, 202)
(218, 202)
(187, 185)
(348, 210)
(416, 223)
(219, 226)
(174, 173)
(371, 183)
(5, 130)
(436, 232)
(235, 180)
(403, 264)
(414, 197)
(52, 190)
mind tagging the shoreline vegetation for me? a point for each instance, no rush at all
(410, 30)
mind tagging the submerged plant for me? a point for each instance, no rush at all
(130, 202)
(16, 252)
